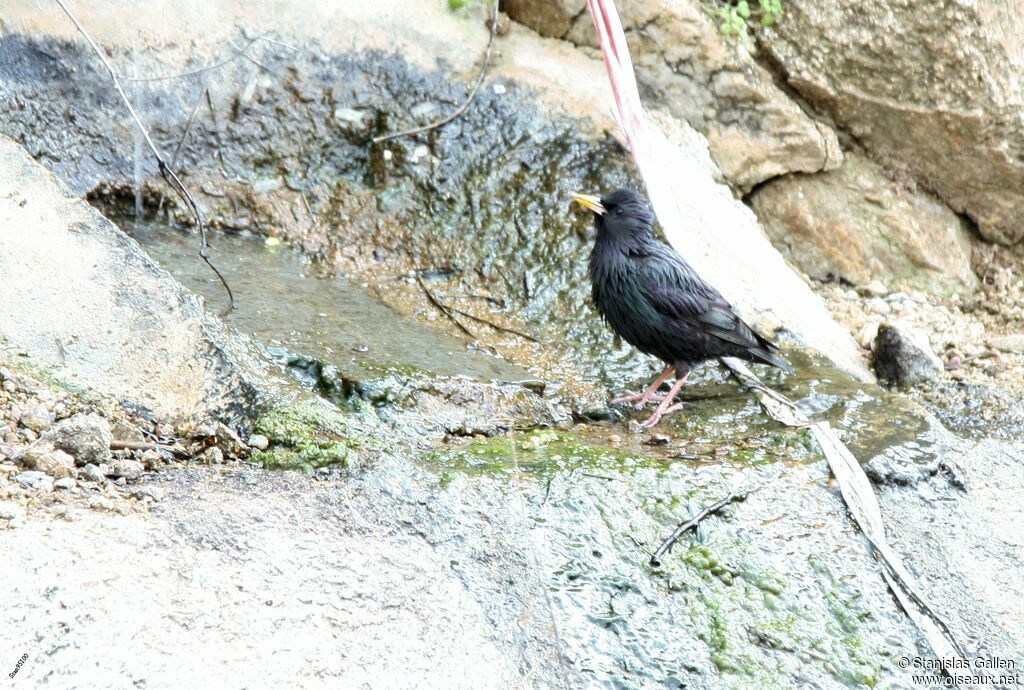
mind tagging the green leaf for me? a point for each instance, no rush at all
(458, 4)
(743, 9)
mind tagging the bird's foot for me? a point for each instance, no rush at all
(658, 414)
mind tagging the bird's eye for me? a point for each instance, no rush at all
(618, 212)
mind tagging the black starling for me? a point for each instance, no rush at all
(655, 301)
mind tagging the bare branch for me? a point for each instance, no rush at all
(469, 99)
(169, 175)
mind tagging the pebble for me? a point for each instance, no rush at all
(879, 306)
(875, 288)
(151, 459)
(11, 511)
(85, 436)
(91, 473)
(10, 386)
(100, 503)
(1008, 343)
(65, 484)
(37, 418)
(614, 440)
(33, 479)
(129, 469)
(259, 441)
(866, 336)
(151, 492)
(213, 456)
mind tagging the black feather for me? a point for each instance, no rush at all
(656, 301)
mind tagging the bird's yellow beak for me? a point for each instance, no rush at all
(590, 201)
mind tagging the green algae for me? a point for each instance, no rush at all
(309, 436)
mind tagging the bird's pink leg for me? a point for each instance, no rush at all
(649, 394)
(665, 407)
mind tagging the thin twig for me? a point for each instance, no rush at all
(469, 99)
(443, 308)
(188, 127)
(239, 52)
(493, 325)
(169, 175)
(693, 522)
(138, 445)
(181, 142)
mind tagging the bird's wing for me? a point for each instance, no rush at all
(674, 289)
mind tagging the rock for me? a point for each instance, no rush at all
(684, 63)
(100, 503)
(85, 436)
(128, 469)
(953, 128)
(129, 331)
(148, 492)
(876, 305)
(126, 432)
(65, 484)
(57, 464)
(259, 441)
(212, 456)
(37, 418)
(552, 18)
(1008, 343)
(35, 480)
(92, 473)
(856, 223)
(901, 354)
(151, 459)
(204, 431)
(11, 511)
(875, 288)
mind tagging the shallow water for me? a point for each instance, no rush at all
(295, 308)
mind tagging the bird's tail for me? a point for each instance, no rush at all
(765, 356)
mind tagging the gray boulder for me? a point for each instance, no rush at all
(85, 436)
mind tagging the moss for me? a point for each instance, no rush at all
(541, 451)
(306, 436)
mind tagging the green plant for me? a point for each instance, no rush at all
(735, 16)
(459, 4)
